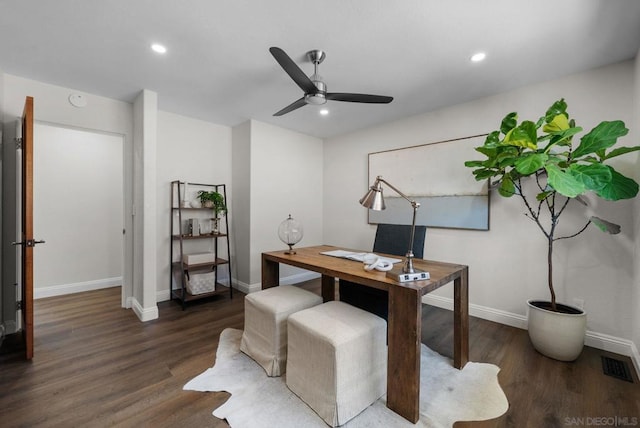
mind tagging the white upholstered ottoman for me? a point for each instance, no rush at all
(265, 324)
(337, 359)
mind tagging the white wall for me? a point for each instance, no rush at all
(194, 151)
(78, 210)
(241, 171)
(7, 294)
(286, 178)
(101, 114)
(507, 265)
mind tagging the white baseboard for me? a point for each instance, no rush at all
(635, 357)
(144, 314)
(486, 313)
(593, 339)
(610, 343)
(246, 288)
(10, 327)
(287, 280)
(300, 277)
(78, 287)
(164, 295)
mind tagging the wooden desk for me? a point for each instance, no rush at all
(405, 312)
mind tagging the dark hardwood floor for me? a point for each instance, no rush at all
(96, 365)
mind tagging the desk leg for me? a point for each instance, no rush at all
(461, 319)
(328, 288)
(403, 366)
(270, 273)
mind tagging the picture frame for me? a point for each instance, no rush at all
(434, 175)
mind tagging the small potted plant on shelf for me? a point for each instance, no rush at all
(558, 173)
(215, 200)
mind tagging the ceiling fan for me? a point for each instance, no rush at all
(315, 90)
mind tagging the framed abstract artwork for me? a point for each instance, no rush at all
(435, 176)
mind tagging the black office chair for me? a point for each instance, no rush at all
(390, 239)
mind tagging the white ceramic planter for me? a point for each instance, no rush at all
(557, 335)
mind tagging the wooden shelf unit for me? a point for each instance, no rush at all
(180, 270)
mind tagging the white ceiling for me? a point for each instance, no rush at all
(218, 67)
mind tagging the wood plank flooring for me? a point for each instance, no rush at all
(96, 365)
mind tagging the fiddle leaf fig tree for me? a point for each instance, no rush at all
(544, 151)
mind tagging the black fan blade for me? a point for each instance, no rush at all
(293, 70)
(358, 98)
(291, 107)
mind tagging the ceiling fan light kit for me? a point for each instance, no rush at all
(315, 90)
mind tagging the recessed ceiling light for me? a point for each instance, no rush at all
(480, 56)
(324, 112)
(158, 48)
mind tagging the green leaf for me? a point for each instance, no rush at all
(490, 153)
(620, 187)
(483, 174)
(474, 164)
(523, 136)
(508, 123)
(493, 139)
(506, 161)
(507, 188)
(564, 183)
(620, 151)
(543, 195)
(559, 107)
(594, 176)
(544, 137)
(487, 151)
(506, 156)
(590, 159)
(531, 163)
(601, 137)
(605, 226)
(558, 124)
(563, 138)
(531, 130)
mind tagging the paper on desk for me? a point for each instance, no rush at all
(359, 257)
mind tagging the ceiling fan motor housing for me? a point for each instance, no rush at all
(317, 98)
(316, 56)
